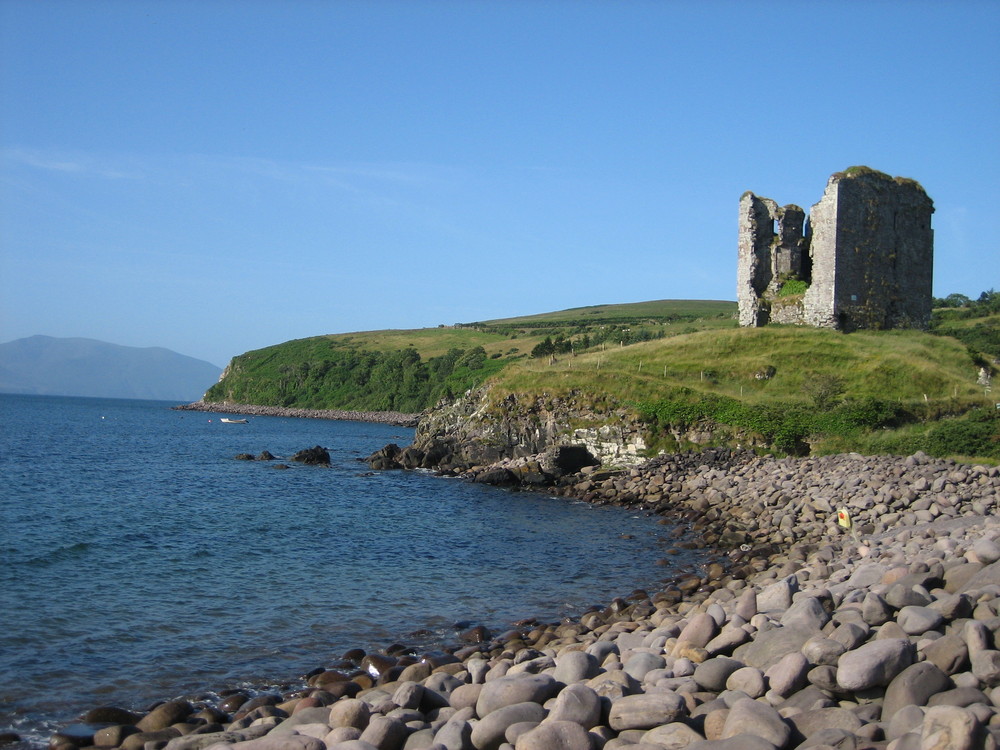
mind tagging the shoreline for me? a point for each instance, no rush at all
(400, 419)
(830, 590)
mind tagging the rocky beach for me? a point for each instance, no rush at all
(251, 410)
(854, 603)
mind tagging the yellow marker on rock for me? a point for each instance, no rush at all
(844, 518)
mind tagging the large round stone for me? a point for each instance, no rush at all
(555, 735)
(488, 733)
(874, 664)
(520, 688)
(913, 687)
(758, 719)
(645, 710)
(577, 703)
(576, 666)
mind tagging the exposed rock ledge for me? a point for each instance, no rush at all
(381, 417)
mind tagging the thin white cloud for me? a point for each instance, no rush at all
(69, 163)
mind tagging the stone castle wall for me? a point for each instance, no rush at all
(866, 254)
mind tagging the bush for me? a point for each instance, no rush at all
(786, 426)
(977, 434)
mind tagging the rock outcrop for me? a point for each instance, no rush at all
(480, 430)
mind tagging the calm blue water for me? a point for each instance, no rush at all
(139, 561)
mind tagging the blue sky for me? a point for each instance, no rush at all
(219, 176)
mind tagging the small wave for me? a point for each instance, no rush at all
(62, 554)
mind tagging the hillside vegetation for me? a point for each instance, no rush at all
(410, 370)
(676, 364)
(799, 389)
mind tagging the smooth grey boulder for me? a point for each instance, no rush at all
(737, 742)
(521, 688)
(645, 710)
(901, 595)
(875, 610)
(988, 575)
(576, 666)
(904, 721)
(986, 667)
(918, 620)
(422, 739)
(577, 703)
(320, 714)
(639, 664)
(769, 646)
(488, 732)
(750, 680)
(674, 735)
(699, 630)
(913, 687)
(201, 741)
(758, 719)
(987, 551)
(408, 695)
(851, 634)
(778, 595)
(808, 724)
(281, 742)
(950, 728)
(555, 735)
(614, 684)
(465, 696)
(353, 745)
(728, 638)
(341, 734)
(385, 733)
(789, 674)
(960, 696)
(712, 674)
(866, 575)
(823, 651)
(455, 735)
(948, 653)
(349, 712)
(874, 664)
(807, 613)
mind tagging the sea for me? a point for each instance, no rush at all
(139, 561)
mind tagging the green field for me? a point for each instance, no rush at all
(672, 362)
(409, 370)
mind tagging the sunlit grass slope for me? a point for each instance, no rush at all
(409, 370)
(789, 389)
(775, 363)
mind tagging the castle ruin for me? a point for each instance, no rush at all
(863, 258)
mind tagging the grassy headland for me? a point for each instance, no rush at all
(675, 364)
(410, 370)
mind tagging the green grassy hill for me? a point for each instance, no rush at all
(673, 362)
(800, 389)
(410, 370)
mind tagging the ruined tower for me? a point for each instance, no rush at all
(863, 260)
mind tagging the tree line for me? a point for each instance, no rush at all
(399, 380)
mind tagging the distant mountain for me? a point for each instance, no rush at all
(47, 366)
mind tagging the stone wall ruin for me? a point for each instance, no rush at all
(863, 259)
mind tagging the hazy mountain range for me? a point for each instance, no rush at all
(43, 365)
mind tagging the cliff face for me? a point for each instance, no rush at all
(537, 433)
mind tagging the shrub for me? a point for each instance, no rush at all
(977, 434)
